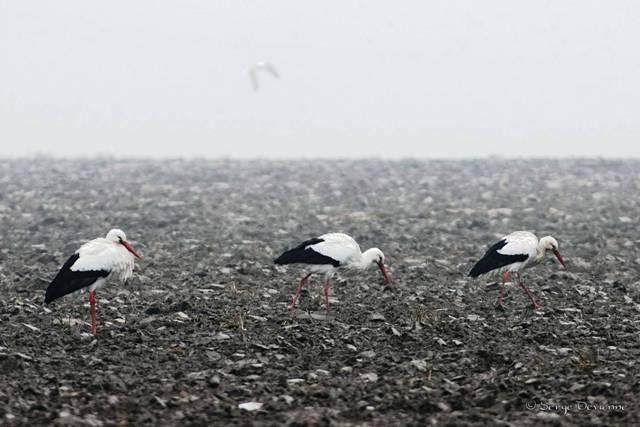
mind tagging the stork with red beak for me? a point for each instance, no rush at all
(512, 254)
(93, 265)
(326, 254)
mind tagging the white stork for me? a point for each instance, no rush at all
(327, 253)
(92, 266)
(512, 254)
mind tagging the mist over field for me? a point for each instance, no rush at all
(356, 79)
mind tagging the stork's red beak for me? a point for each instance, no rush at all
(130, 249)
(557, 254)
(384, 272)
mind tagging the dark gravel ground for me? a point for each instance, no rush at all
(203, 326)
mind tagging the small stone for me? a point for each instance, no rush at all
(182, 315)
(33, 328)
(250, 406)
(420, 365)
(440, 341)
(160, 401)
(23, 356)
(370, 376)
(377, 317)
(214, 381)
(443, 406)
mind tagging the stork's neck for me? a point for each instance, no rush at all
(366, 259)
(541, 252)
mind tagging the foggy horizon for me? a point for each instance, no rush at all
(151, 157)
(447, 80)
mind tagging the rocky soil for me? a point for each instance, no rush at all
(201, 334)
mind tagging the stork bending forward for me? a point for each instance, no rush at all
(512, 254)
(327, 253)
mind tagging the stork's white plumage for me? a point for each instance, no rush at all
(91, 266)
(512, 254)
(325, 254)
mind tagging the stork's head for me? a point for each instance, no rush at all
(548, 243)
(117, 236)
(375, 256)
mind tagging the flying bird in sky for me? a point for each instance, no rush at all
(261, 67)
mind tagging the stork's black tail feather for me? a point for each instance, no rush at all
(478, 269)
(289, 257)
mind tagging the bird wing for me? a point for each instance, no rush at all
(338, 246)
(518, 243)
(328, 249)
(98, 254)
(69, 279)
(94, 260)
(508, 250)
(272, 70)
(254, 79)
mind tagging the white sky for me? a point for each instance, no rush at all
(363, 78)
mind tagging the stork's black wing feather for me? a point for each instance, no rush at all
(493, 260)
(67, 280)
(303, 254)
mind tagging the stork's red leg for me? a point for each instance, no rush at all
(326, 294)
(297, 294)
(533, 302)
(92, 302)
(505, 279)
